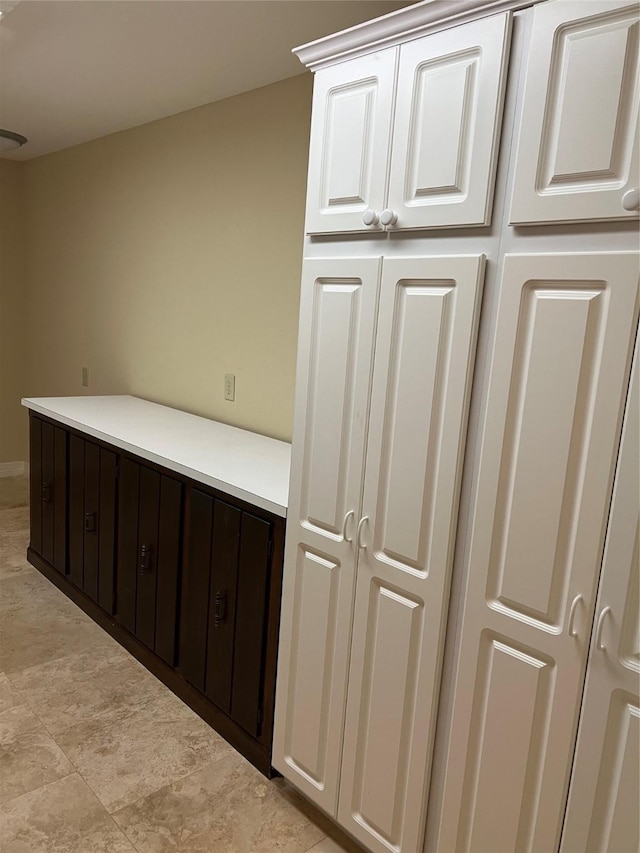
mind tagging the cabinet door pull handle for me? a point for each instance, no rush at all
(344, 526)
(631, 199)
(89, 522)
(361, 524)
(389, 217)
(600, 646)
(46, 493)
(220, 612)
(370, 217)
(145, 558)
(572, 614)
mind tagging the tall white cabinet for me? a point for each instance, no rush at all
(444, 151)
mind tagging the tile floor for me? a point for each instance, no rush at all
(97, 756)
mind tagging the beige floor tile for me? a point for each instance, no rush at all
(63, 817)
(225, 807)
(100, 686)
(26, 641)
(13, 554)
(14, 520)
(128, 759)
(29, 757)
(38, 623)
(9, 697)
(32, 591)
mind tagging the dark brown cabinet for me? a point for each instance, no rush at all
(187, 578)
(149, 553)
(48, 489)
(224, 607)
(92, 505)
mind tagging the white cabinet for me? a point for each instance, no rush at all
(407, 116)
(436, 168)
(349, 145)
(558, 383)
(424, 354)
(395, 544)
(602, 812)
(578, 150)
(335, 357)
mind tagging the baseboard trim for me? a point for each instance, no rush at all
(12, 469)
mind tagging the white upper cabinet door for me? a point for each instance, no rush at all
(557, 390)
(349, 146)
(335, 356)
(578, 154)
(602, 812)
(425, 349)
(447, 125)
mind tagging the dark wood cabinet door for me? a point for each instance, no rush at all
(149, 549)
(127, 563)
(35, 482)
(225, 584)
(225, 549)
(251, 615)
(168, 564)
(48, 487)
(196, 572)
(92, 496)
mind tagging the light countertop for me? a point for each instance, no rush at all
(244, 464)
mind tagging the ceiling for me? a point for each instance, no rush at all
(75, 70)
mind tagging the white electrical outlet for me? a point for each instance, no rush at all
(85, 377)
(229, 387)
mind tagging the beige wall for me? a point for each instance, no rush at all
(13, 338)
(165, 256)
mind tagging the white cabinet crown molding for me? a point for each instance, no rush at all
(423, 18)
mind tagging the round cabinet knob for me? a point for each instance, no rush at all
(388, 217)
(370, 217)
(630, 200)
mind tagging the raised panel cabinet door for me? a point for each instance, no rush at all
(447, 125)
(602, 811)
(425, 347)
(349, 145)
(335, 357)
(558, 382)
(577, 155)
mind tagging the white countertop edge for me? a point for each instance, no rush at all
(165, 462)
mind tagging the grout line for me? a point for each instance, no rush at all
(39, 788)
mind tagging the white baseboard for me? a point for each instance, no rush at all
(12, 469)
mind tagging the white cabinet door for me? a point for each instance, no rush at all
(578, 149)
(602, 812)
(446, 130)
(557, 389)
(335, 356)
(349, 146)
(425, 348)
